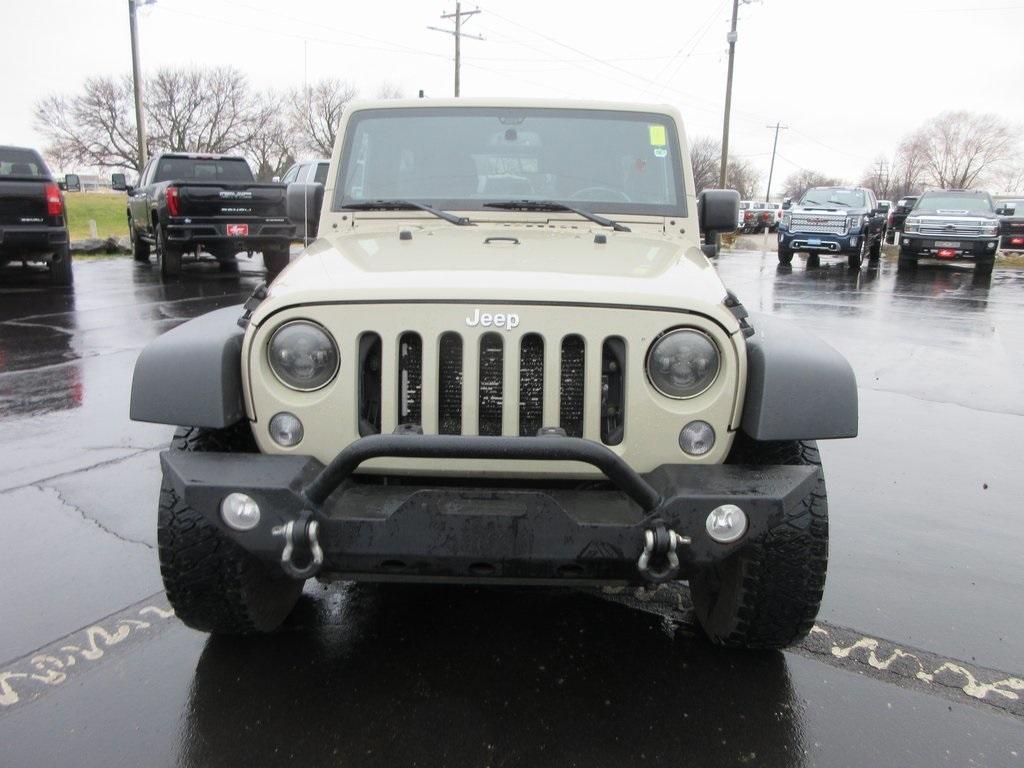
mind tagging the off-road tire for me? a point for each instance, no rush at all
(213, 584)
(785, 255)
(168, 256)
(276, 258)
(767, 595)
(60, 268)
(140, 248)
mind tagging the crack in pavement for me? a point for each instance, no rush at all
(86, 517)
(108, 462)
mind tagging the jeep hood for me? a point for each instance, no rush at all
(502, 263)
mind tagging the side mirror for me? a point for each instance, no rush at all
(118, 183)
(275, 179)
(718, 211)
(63, 186)
(72, 182)
(787, 203)
(1004, 211)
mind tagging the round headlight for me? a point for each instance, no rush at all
(682, 363)
(303, 355)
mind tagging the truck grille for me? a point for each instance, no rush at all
(817, 223)
(950, 228)
(517, 386)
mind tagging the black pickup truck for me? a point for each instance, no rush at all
(1010, 211)
(897, 215)
(188, 203)
(33, 220)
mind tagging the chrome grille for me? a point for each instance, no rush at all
(951, 228)
(818, 223)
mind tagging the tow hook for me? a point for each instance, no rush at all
(300, 538)
(659, 562)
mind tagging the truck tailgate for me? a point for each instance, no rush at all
(241, 200)
(23, 202)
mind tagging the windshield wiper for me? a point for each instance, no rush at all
(408, 205)
(551, 205)
(839, 202)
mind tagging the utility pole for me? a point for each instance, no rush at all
(458, 34)
(771, 168)
(731, 38)
(140, 120)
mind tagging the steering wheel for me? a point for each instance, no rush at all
(588, 191)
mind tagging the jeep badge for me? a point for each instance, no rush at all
(506, 320)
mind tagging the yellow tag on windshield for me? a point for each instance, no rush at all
(658, 138)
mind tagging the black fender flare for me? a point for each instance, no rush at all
(192, 375)
(798, 387)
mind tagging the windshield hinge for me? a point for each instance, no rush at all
(257, 297)
(739, 312)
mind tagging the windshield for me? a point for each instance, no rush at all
(954, 201)
(834, 196)
(464, 157)
(21, 162)
(202, 169)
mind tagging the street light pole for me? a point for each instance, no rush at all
(728, 96)
(140, 120)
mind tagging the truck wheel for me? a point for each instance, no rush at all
(140, 248)
(60, 267)
(213, 584)
(890, 236)
(276, 258)
(875, 249)
(984, 266)
(767, 595)
(907, 262)
(785, 255)
(167, 256)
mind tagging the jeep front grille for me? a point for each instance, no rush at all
(538, 387)
(817, 223)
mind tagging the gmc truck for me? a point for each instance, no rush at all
(951, 225)
(187, 203)
(1011, 229)
(33, 220)
(836, 220)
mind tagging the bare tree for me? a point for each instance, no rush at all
(805, 179)
(201, 110)
(960, 148)
(1010, 179)
(389, 90)
(908, 167)
(95, 127)
(272, 146)
(705, 156)
(879, 177)
(742, 176)
(316, 113)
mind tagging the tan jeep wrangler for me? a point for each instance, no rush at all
(506, 359)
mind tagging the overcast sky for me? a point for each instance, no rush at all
(849, 78)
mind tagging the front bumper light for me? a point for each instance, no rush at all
(683, 363)
(303, 356)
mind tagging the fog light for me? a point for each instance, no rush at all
(726, 523)
(697, 438)
(240, 512)
(286, 429)
(853, 241)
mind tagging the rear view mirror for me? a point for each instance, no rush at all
(718, 211)
(118, 183)
(72, 182)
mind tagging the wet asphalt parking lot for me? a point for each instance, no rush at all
(918, 658)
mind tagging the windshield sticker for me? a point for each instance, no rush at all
(661, 152)
(658, 135)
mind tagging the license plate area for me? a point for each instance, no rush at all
(238, 230)
(947, 244)
(814, 241)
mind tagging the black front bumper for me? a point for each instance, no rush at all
(436, 529)
(917, 245)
